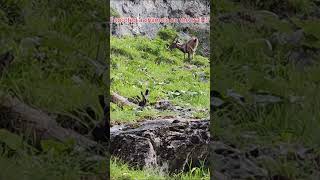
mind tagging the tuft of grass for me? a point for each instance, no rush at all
(121, 171)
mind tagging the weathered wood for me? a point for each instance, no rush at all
(25, 119)
(121, 101)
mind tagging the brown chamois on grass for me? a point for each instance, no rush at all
(189, 47)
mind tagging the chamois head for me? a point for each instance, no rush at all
(174, 43)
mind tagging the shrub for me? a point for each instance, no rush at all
(167, 33)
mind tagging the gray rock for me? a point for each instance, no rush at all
(300, 58)
(293, 39)
(163, 9)
(163, 105)
(170, 144)
(236, 96)
(217, 102)
(265, 99)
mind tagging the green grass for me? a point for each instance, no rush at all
(244, 63)
(61, 73)
(19, 160)
(244, 68)
(139, 63)
(121, 171)
(55, 74)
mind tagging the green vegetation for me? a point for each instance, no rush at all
(19, 160)
(121, 171)
(167, 34)
(138, 63)
(114, 13)
(59, 62)
(59, 49)
(43, 76)
(247, 61)
(56, 46)
(295, 6)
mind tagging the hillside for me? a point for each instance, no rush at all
(265, 77)
(139, 63)
(57, 50)
(178, 88)
(53, 63)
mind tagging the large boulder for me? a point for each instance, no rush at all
(171, 144)
(158, 9)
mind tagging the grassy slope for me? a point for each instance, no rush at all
(243, 63)
(48, 83)
(67, 42)
(71, 32)
(140, 63)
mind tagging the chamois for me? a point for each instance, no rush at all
(141, 101)
(190, 47)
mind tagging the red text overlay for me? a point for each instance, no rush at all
(159, 20)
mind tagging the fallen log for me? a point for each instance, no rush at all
(122, 101)
(21, 118)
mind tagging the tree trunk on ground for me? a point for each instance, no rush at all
(121, 101)
(19, 117)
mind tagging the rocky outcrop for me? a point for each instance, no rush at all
(158, 9)
(171, 144)
(163, 9)
(174, 144)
